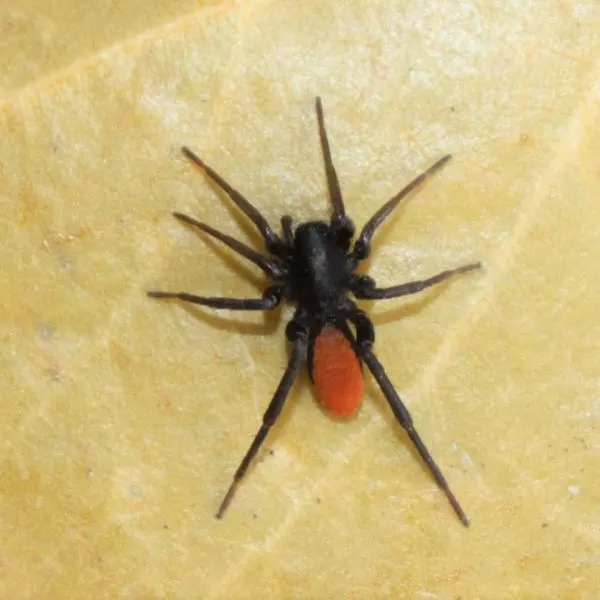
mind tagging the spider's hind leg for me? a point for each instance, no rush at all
(365, 338)
(298, 334)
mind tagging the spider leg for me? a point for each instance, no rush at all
(288, 234)
(365, 336)
(271, 238)
(362, 246)
(339, 220)
(270, 300)
(269, 266)
(364, 286)
(271, 415)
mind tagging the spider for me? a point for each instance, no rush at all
(313, 265)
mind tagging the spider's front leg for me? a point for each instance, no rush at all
(341, 224)
(272, 240)
(362, 245)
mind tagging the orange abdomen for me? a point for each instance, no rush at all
(336, 373)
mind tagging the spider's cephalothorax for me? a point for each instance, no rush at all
(320, 271)
(313, 265)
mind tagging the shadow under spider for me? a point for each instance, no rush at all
(269, 325)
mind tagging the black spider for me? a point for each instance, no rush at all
(314, 266)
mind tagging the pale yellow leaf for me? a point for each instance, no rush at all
(123, 418)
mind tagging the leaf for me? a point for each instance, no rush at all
(125, 418)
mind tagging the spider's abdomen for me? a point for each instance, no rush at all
(319, 269)
(336, 373)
